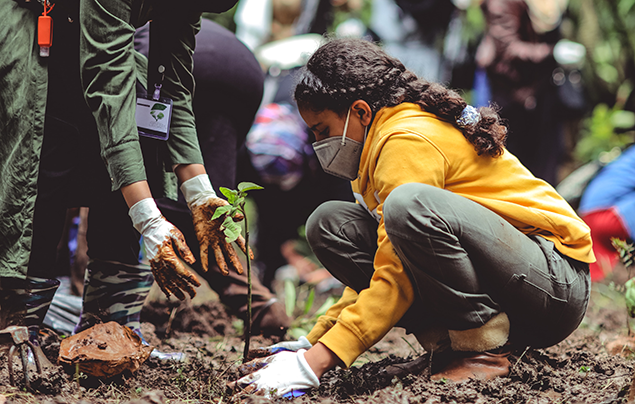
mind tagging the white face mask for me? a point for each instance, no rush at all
(340, 156)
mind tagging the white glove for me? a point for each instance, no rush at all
(293, 346)
(197, 190)
(286, 374)
(569, 53)
(160, 239)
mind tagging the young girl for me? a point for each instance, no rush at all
(451, 238)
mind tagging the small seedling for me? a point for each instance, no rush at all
(584, 369)
(79, 375)
(236, 200)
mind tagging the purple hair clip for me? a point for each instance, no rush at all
(469, 116)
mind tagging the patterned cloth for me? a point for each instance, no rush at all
(278, 143)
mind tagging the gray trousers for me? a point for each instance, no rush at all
(465, 262)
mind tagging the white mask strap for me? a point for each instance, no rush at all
(348, 115)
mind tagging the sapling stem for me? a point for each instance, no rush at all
(248, 320)
(236, 203)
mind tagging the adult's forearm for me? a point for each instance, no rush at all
(186, 171)
(135, 192)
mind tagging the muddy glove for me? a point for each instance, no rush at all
(286, 374)
(293, 346)
(161, 240)
(202, 200)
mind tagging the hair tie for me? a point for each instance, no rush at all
(469, 116)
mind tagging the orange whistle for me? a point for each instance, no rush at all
(45, 34)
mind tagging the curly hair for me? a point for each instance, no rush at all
(345, 70)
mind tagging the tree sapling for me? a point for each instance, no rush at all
(236, 200)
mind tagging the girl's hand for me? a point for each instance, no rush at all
(286, 374)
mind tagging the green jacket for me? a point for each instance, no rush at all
(23, 78)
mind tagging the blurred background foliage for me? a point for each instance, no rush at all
(607, 29)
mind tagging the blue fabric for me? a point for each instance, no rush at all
(614, 186)
(294, 393)
(482, 90)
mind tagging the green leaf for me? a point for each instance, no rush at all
(220, 211)
(230, 194)
(309, 301)
(289, 296)
(330, 301)
(248, 186)
(240, 201)
(232, 230)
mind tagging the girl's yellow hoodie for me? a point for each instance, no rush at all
(404, 145)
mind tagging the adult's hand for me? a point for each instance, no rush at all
(202, 201)
(286, 374)
(162, 240)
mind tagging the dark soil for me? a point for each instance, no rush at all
(593, 365)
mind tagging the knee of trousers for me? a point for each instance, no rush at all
(322, 223)
(413, 199)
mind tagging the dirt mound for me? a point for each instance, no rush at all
(210, 318)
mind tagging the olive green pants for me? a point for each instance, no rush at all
(466, 264)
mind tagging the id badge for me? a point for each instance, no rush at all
(153, 116)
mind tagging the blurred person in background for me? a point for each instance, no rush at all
(521, 51)
(414, 31)
(608, 207)
(262, 21)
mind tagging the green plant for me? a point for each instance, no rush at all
(299, 301)
(605, 133)
(236, 200)
(627, 256)
(79, 375)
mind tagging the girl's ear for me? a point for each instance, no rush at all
(363, 111)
